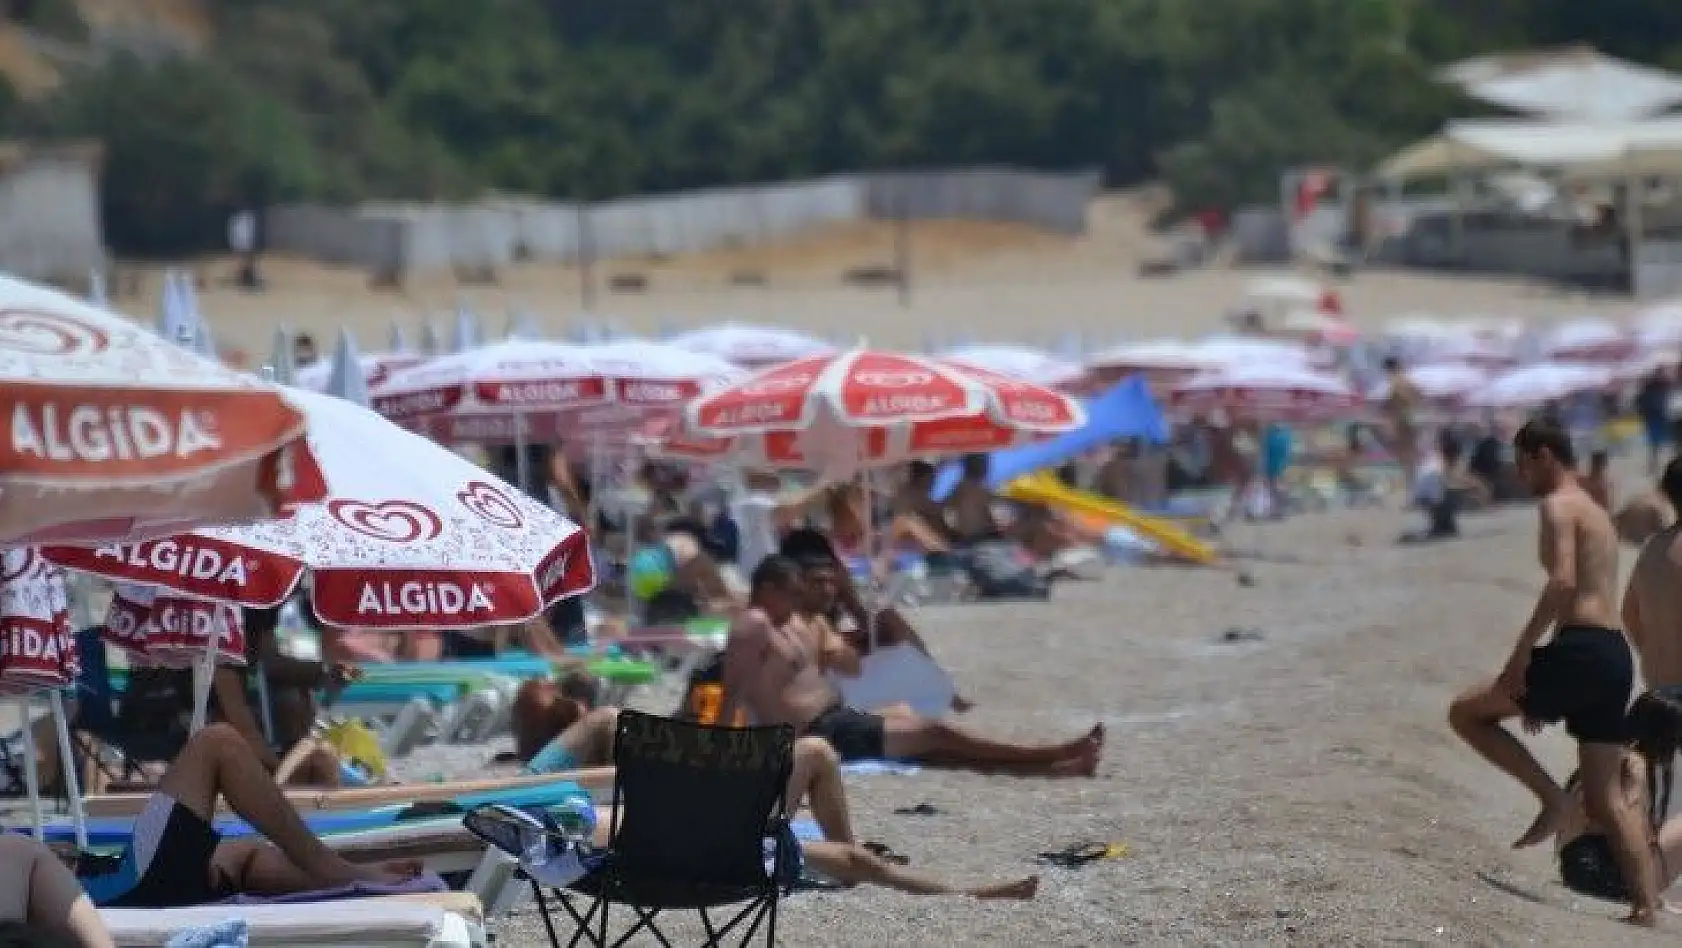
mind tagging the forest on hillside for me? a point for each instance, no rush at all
(356, 99)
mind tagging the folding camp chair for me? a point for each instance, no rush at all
(697, 810)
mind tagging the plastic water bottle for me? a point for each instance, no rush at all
(577, 819)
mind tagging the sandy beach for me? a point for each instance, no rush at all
(1300, 789)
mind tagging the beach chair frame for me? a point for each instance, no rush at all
(695, 810)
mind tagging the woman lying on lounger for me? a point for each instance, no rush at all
(1586, 861)
(176, 858)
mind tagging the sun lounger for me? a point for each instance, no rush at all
(434, 920)
(597, 780)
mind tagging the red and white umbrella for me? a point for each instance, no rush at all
(410, 536)
(159, 627)
(1443, 382)
(1161, 363)
(862, 407)
(499, 393)
(1277, 392)
(376, 368)
(1538, 384)
(37, 645)
(1588, 340)
(114, 433)
(752, 347)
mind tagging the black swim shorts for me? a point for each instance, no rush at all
(1588, 867)
(854, 734)
(172, 849)
(1583, 677)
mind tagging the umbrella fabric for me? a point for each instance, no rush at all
(37, 645)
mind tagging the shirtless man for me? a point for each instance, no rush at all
(969, 509)
(1584, 675)
(774, 666)
(1653, 600)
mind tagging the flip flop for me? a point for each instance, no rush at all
(1081, 854)
(886, 853)
(921, 809)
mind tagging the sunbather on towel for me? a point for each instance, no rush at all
(774, 666)
(35, 888)
(816, 781)
(176, 858)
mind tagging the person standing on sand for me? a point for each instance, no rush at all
(1400, 408)
(1584, 675)
(1652, 610)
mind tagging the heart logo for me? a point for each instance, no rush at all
(491, 505)
(38, 333)
(394, 521)
(16, 563)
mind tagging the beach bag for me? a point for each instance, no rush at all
(998, 570)
(703, 698)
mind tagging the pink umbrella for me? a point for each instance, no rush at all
(1278, 392)
(116, 433)
(410, 536)
(845, 411)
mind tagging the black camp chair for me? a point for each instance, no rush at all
(694, 808)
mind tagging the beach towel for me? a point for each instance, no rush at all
(898, 674)
(426, 882)
(233, 933)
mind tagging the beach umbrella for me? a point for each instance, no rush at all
(115, 433)
(1535, 385)
(1162, 362)
(522, 325)
(97, 294)
(1447, 382)
(752, 346)
(431, 343)
(1588, 340)
(347, 378)
(497, 394)
(841, 412)
(1267, 391)
(38, 655)
(376, 368)
(409, 536)
(1034, 365)
(161, 627)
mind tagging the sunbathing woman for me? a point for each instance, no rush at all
(176, 858)
(1587, 864)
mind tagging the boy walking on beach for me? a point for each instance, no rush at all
(1583, 676)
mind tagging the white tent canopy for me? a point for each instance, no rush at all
(1575, 83)
(1607, 149)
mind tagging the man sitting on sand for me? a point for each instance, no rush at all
(1584, 675)
(774, 667)
(1652, 610)
(176, 858)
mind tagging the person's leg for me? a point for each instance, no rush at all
(218, 761)
(852, 864)
(587, 742)
(1601, 766)
(36, 888)
(310, 763)
(817, 776)
(939, 743)
(1476, 716)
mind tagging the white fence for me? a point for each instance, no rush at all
(397, 240)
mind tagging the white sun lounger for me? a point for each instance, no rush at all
(443, 920)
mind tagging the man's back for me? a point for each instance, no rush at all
(1655, 588)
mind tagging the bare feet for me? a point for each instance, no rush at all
(1548, 823)
(1021, 889)
(395, 872)
(1644, 917)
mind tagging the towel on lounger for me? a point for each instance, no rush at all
(426, 882)
(232, 933)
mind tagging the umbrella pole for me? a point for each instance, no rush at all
(522, 467)
(204, 676)
(265, 707)
(32, 772)
(67, 769)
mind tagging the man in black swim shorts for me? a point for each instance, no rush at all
(1583, 675)
(775, 664)
(176, 857)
